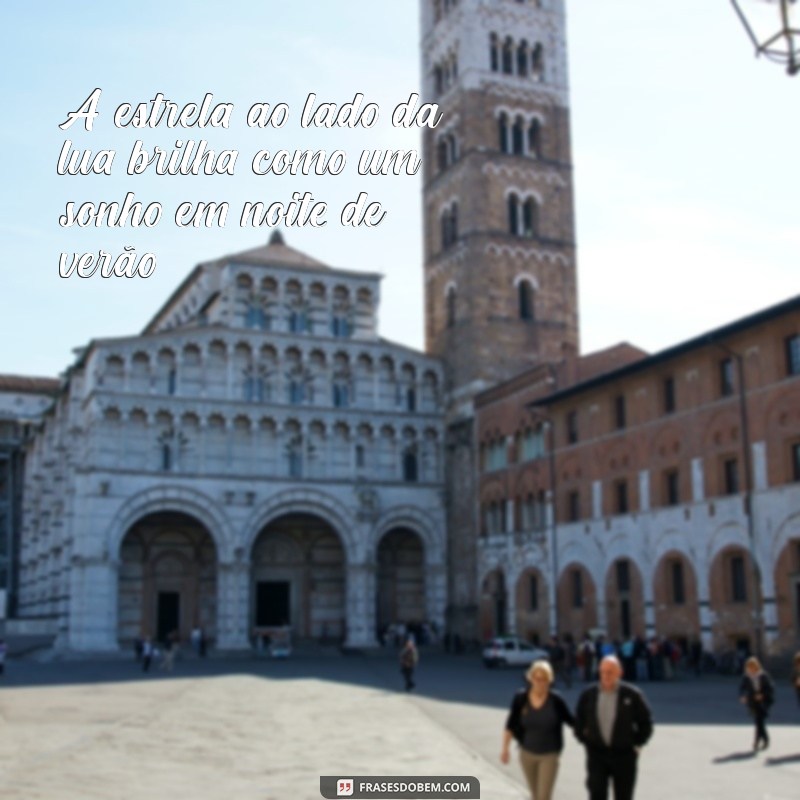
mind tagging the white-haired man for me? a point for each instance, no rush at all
(612, 721)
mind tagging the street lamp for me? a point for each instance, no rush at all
(774, 28)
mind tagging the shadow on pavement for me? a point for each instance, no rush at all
(745, 755)
(711, 700)
(776, 762)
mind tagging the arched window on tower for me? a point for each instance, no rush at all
(518, 137)
(508, 57)
(449, 222)
(502, 133)
(451, 307)
(535, 138)
(526, 296)
(522, 58)
(537, 62)
(438, 80)
(441, 155)
(513, 215)
(529, 218)
(494, 53)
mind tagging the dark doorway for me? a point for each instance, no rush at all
(272, 603)
(169, 614)
(625, 617)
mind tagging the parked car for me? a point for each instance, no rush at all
(510, 651)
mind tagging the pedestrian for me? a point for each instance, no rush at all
(757, 692)
(170, 651)
(796, 675)
(3, 649)
(409, 657)
(536, 720)
(147, 653)
(613, 722)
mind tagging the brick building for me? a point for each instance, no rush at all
(648, 494)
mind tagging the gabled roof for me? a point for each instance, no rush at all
(275, 252)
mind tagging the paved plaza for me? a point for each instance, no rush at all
(266, 730)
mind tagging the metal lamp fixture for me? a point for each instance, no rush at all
(774, 28)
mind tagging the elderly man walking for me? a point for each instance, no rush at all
(612, 721)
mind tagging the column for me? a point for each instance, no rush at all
(233, 618)
(93, 604)
(360, 605)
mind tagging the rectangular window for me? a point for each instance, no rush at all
(730, 469)
(678, 589)
(534, 587)
(572, 427)
(619, 412)
(671, 488)
(796, 462)
(577, 589)
(669, 395)
(573, 506)
(793, 355)
(621, 497)
(726, 377)
(738, 583)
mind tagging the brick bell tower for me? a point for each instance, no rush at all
(499, 234)
(500, 275)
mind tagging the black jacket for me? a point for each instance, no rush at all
(514, 719)
(765, 688)
(633, 725)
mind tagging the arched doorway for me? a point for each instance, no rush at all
(401, 579)
(298, 578)
(676, 599)
(532, 606)
(167, 579)
(624, 600)
(732, 602)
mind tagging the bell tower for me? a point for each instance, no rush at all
(499, 234)
(499, 249)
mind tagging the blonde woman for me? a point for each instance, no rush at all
(757, 692)
(536, 720)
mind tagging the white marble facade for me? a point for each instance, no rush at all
(258, 437)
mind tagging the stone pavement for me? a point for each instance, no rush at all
(267, 731)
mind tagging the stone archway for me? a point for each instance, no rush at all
(787, 597)
(167, 578)
(532, 606)
(675, 594)
(624, 594)
(400, 595)
(298, 578)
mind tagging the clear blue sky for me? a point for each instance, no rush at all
(685, 153)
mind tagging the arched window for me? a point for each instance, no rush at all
(502, 132)
(449, 223)
(438, 80)
(494, 53)
(522, 58)
(529, 218)
(535, 138)
(525, 292)
(441, 155)
(451, 307)
(518, 137)
(537, 62)
(513, 215)
(508, 57)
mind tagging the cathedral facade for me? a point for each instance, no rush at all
(258, 457)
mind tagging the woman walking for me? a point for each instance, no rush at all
(757, 692)
(536, 720)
